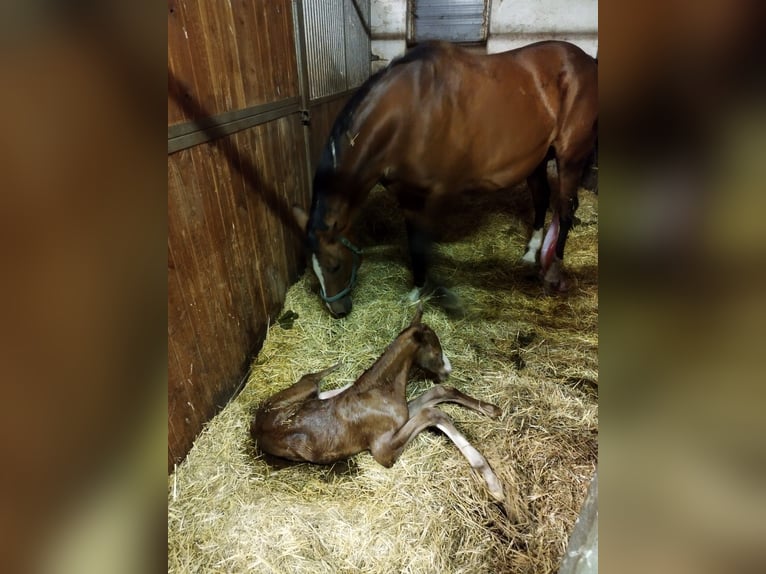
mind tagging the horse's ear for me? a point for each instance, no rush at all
(418, 315)
(301, 217)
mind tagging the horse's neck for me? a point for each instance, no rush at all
(392, 367)
(359, 158)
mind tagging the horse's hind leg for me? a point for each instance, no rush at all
(446, 394)
(387, 449)
(541, 192)
(570, 174)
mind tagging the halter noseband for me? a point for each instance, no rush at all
(355, 265)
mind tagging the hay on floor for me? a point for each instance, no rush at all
(532, 354)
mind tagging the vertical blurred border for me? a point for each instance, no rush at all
(83, 293)
(682, 155)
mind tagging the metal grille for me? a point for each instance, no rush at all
(357, 41)
(337, 45)
(452, 20)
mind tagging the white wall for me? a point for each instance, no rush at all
(388, 23)
(513, 23)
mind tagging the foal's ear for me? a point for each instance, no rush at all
(418, 315)
(301, 217)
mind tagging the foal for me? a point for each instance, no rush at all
(302, 423)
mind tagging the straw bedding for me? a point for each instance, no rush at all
(532, 354)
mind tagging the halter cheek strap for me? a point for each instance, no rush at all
(354, 267)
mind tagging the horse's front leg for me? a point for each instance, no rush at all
(420, 244)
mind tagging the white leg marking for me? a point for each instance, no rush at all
(533, 247)
(328, 394)
(413, 296)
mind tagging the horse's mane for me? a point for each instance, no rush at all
(346, 115)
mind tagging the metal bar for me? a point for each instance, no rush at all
(189, 134)
(331, 97)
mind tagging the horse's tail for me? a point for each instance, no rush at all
(590, 173)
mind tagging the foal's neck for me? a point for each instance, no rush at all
(393, 366)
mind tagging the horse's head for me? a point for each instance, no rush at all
(335, 261)
(430, 355)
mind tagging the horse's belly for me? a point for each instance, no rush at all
(503, 175)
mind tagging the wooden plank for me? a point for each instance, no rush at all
(230, 55)
(231, 257)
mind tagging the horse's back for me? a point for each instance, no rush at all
(482, 121)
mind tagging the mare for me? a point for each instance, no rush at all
(302, 423)
(442, 120)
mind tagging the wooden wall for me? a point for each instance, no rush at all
(232, 54)
(233, 248)
(231, 257)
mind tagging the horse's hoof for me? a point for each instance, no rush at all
(447, 300)
(553, 288)
(413, 296)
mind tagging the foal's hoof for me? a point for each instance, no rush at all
(492, 411)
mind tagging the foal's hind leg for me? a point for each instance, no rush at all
(541, 193)
(446, 394)
(386, 450)
(307, 386)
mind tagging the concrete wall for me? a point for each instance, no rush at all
(388, 24)
(512, 23)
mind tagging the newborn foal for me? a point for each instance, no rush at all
(301, 423)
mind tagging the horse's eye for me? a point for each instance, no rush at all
(334, 268)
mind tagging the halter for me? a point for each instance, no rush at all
(354, 267)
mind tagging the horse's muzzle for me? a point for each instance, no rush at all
(341, 307)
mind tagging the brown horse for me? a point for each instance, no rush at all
(441, 120)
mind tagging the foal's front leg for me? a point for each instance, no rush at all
(445, 394)
(387, 449)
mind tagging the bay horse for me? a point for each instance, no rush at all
(302, 423)
(442, 120)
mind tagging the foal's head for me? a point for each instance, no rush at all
(429, 355)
